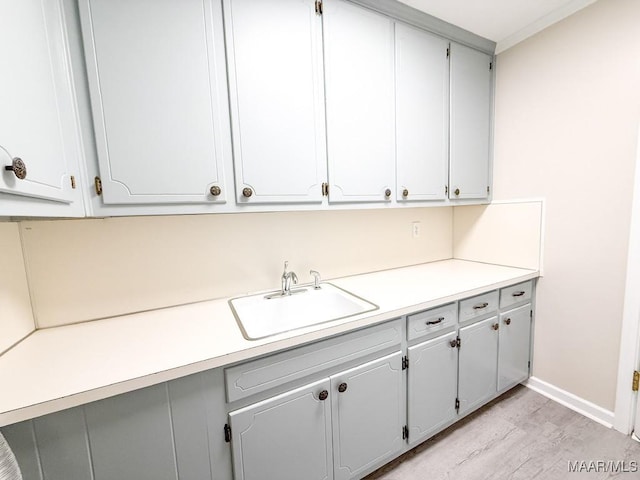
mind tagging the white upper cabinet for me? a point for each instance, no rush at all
(39, 137)
(274, 51)
(156, 76)
(359, 83)
(422, 114)
(470, 123)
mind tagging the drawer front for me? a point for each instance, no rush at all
(478, 306)
(516, 294)
(424, 323)
(264, 373)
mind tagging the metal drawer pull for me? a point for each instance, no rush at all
(508, 321)
(435, 322)
(480, 306)
(518, 294)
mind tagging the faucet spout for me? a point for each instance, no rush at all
(287, 278)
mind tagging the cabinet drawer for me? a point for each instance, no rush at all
(515, 294)
(478, 306)
(423, 323)
(264, 373)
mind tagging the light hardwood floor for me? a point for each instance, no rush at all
(521, 435)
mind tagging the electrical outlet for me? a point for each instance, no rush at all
(415, 229)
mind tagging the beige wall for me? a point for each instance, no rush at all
(87, 269)
(567, 113)
(501, 233)
(16, 320)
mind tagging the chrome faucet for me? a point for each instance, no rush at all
(287, 278)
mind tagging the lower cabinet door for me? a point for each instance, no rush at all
(367, 403)
(432, 385)
(478, 363)
(287, 437)
(513, 352)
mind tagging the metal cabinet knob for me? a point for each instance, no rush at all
(508, 321)
(18, 168)
(247, 192)
(387, 193)
(342, 387)
(495, 326)
(457, 191)
(323, 395)
(215, 190)
(405, 193)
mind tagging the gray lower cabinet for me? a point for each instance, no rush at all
(367, 415)
(514, 346)
(287, 437)
(432, 386)
(169, 431)
(478, 363)
(338, 428)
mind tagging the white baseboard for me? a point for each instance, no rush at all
(569, 400)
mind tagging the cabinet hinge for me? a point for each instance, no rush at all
(529, 365)
(448, 52)
(319, 7)
(98, 183)
(405, 432)
(227, 433)
(530, 313)
(488, 189)
(490, 65)
(73, 182)
(636, 381)
(458, 342)
(457, 405)
(325, 189)
(446, 190)
(405, 362)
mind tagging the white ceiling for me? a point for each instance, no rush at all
(506, 22)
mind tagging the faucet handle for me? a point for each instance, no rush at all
(316, 279)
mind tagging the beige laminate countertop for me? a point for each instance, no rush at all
(58, 368)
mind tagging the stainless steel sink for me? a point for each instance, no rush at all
(265, 315)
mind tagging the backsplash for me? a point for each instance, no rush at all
(16, 320)
(95, 268)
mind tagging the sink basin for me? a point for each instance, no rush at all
(264, 315)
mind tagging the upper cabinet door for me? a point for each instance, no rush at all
(422, 114)
(38, 122)
(156, 77)
(470, 123)
(274, 51)
(359, 71)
